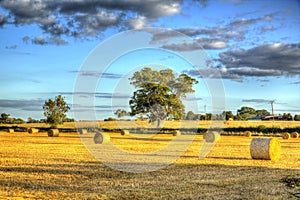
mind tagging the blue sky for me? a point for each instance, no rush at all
(59, 47)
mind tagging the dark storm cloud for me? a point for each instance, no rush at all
(269, 59)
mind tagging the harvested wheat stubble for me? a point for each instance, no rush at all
(82, 131)
(11, 130)
(100, 138)
(265, 149)
(286, 136)
(295, 134)
(33, 130)
(211, 136)
(176, 132)
(125, 132)
(53, 132)
(247, 134)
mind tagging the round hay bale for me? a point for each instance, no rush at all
(11, 130)
(53, 132)
(286, 136)
(211, 136)
(176, 132)
(100, 138)
(83, 131)
(125, 132)
(247, 134)
(33, 130)
(295, 134)
(265, 149)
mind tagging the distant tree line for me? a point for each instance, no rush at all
(245, 113)
(5, 119)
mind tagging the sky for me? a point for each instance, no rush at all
(243, 53)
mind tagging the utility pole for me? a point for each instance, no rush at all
(204, 112)
(272, 105)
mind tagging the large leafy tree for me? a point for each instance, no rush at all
(159, 94)
(55, 111)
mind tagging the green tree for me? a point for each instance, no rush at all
(227, 115)
(4, 118)
(262, 112)
(297, 117)
(31, 120)
(287, 116)
(190, 115)
(159, 94)
(55, 111)
(245, 112)
(120, 113)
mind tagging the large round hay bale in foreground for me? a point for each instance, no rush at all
(247, 134)
(53, 132)
(33, 130)
(125, 132)
(82, 131)
(295, 134)
(176, 132)
(265, 149)
(100, 138)
(211, 136)
(286, 136)
(11, 130)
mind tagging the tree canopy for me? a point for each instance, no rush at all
(159, 93)
(55, 110)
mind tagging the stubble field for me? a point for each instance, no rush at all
(35, 166)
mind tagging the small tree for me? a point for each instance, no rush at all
(297, 117)
(54, 111)
(190, 115)
(120, 113)
(4, 117)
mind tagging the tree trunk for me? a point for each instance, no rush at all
(158, 122)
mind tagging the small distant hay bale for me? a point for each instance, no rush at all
(211, 136)
(53, 132)
(286, 136)
(100, 138)
(295, 134)
(83, 131)
(247, 134)
(11, 130)
(176, 132)
(265, 149)
(33, 130)
(125, 132)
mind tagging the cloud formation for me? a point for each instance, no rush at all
(26, 105)
(84, 18)
(256, 100)
(266, 60)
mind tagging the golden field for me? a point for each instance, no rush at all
(35, 166)
(167, 124)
